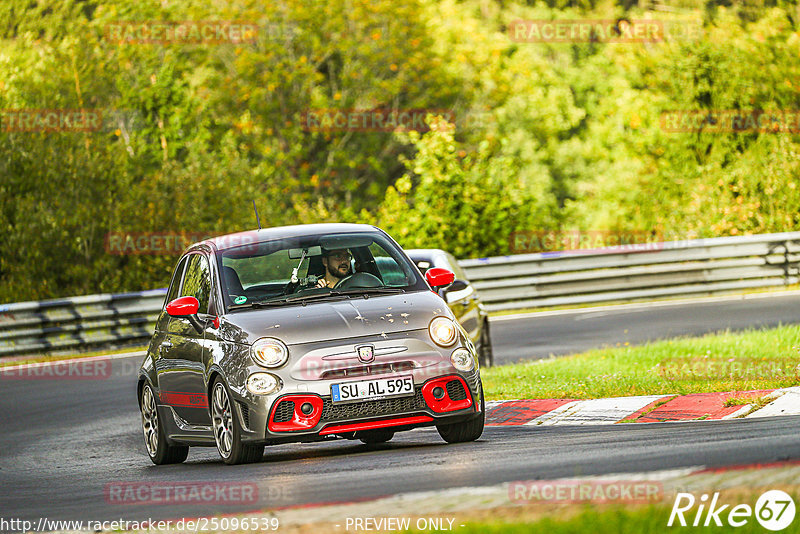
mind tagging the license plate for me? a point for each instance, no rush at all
(378, 388)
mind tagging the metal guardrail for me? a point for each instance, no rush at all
(680, 268)
(636, 272)
(90, 321)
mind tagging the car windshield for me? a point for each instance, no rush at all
(301, 269)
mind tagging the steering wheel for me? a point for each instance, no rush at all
(358, 279)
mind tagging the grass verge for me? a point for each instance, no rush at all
(617, 520)
(742, 361)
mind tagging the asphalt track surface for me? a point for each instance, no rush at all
(64, 441)
(539, 337)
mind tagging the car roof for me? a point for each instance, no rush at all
(281, 232)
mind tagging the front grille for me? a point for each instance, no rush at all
(366, 370)
(455, 390)
(373, 408)
(284, 412)
(245, 415)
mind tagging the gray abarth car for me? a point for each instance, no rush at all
(299, 334)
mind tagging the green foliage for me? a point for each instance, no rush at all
(544, 136)
(464, 203)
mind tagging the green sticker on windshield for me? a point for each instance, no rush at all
(240, 300)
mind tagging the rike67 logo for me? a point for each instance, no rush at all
(774, 510)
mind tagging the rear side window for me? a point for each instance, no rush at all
(391, 272)
(197, 282)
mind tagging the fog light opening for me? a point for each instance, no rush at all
(306, 408)
(462, 360)
(438, 393)
(263, 384)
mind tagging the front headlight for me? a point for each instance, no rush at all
(443, 331)
(263, 383)
(462, 360)
(269, 352)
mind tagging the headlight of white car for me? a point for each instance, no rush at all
(269, 352)
(443, 331)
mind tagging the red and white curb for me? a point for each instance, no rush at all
(640, 409)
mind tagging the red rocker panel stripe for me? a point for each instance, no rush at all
(400, 421)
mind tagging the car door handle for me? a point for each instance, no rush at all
(164, 345)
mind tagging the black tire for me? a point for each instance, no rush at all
(155, 442)
(379, 435)
(228, 431)
(485, 355)
(466, 430)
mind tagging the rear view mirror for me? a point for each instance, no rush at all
(186, 308)
(457, 285)
(297, 253)
(438, 277)
(336, 242)
(183, 307)
(457, 291)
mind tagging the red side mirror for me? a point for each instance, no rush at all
(183, 307)
(438, 277)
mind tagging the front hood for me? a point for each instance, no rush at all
(340, 319)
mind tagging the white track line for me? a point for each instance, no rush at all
(787, 404)
(637, 306)
(595, 411)
(49, 363)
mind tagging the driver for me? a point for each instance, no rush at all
(337, 266)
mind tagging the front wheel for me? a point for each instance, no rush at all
(227, 431)
(466, 430)
(159, 451)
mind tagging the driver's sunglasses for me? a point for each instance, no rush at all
(341, 256)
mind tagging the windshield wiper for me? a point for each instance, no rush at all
(316, 296)
(369, 291)
(260, 304)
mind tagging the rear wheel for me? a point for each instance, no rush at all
(380, 435)
(466, 430)
(159, 451)
(227, 431)
(485, 356)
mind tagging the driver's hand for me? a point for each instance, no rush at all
(322, 283)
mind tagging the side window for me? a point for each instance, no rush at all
(197, 282)
(175, 285)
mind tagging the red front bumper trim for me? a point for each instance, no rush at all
(384, 423)
(445, 404)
